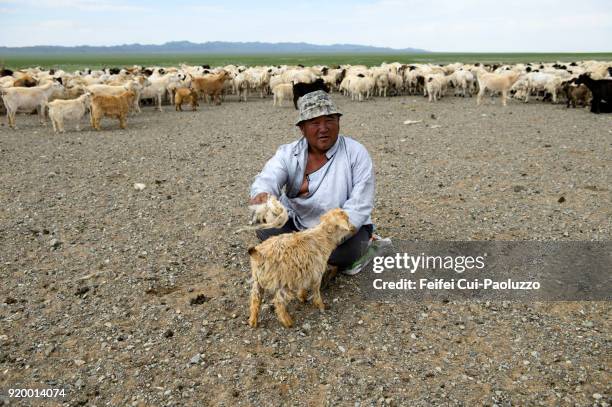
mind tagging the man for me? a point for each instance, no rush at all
(321, 171)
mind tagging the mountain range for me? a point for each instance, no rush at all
(212, 47)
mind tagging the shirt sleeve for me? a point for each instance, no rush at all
(361, 200)
(273, 177)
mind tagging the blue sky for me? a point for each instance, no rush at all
(436, 25)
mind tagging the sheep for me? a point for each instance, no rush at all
(333, 78)
(496, 82)
(396, 82)
(298, 76)
(281, 92)
(16, 98)
(360, 86)
(75, 109)
(382, 84)
(275, 80)
(433, 85)
(464, 81)
(111, 106)
(211, 85)
(540, 81)
(258, 79)
(185, 95)
(241, 86)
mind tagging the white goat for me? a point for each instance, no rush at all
(281, 92)
(496, 82)
(36, 97)
(74, 109)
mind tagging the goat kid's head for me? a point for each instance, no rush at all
(337, 223)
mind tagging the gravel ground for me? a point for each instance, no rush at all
(126, 297)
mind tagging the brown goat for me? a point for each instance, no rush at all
(576, 94)
(25, 81)
(111, 106)
(185, 95)
(211, 85)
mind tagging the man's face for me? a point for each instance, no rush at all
(321, 132)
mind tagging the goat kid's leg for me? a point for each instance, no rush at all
(256, 293)
(302, 295)
(317, 301)
(280, 306)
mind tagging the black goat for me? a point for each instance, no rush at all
(301, 88)
(601, 90)
(6, 72)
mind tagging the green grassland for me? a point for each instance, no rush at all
(79, 61)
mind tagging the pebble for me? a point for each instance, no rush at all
(196, 359)
(55, 243)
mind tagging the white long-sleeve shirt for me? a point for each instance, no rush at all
(346, 181)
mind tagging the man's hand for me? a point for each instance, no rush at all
(260, 198)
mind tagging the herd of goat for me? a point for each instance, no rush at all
(116, 92)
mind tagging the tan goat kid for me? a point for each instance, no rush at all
(185, 95)
(291, 264)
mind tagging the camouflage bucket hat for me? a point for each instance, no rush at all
(315, 104)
